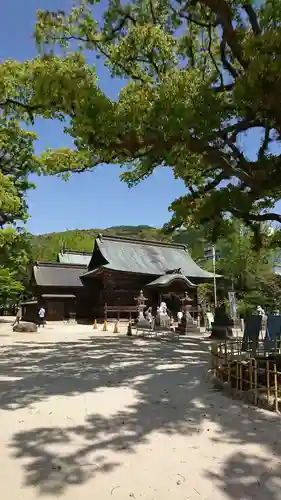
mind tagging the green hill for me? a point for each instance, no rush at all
(45, 247)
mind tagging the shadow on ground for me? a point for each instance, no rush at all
(172, 397)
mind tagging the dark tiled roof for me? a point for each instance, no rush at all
(142, 256)
(56, 274)
(168, 279)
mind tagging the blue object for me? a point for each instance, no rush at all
(273, 332)
(251, 331)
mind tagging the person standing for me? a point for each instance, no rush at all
(41, 314)
(18, 316)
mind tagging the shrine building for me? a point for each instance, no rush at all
(81, 285)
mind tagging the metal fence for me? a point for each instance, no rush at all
(251, 370)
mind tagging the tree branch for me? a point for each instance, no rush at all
(208, 187)
(241, 126)
(269, 216)
(212, 56)
(222, 10)
(226, 64)
(265, 143)
(253, 19)
(228, 87)
(152, 12)
(122, 22)
(27, 107)
(101, 49)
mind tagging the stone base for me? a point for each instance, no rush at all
(25, 326)
(185, 329)
(143, 323)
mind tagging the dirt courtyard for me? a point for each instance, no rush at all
(90, 415)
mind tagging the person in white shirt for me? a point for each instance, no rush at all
(41, 314)
(18, 316)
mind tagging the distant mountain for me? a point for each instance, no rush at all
(46, 246)
(129, 228)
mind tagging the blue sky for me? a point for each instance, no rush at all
(90, 200)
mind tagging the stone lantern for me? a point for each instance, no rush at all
(142, 322)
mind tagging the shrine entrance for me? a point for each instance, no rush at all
(171, 288)
(172, 301)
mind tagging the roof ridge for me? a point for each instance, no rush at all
(128, 239)
(77, 252)
(42, 263)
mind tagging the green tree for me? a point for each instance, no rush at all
(246, 271)
(41, 87)
(200, 76)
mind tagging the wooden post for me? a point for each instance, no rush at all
(275, 388)
(239, 349)
(251, 373)
(214, 357)
(105, 326)
(267, 381)
(219, 359)
(241, 376)
(232, 350)
(255, 382)
(95, 324)
(116, 330)
(225, 352)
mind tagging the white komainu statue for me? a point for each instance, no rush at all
(162, 319)
(148, 315)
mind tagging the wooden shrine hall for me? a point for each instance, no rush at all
(80, 285)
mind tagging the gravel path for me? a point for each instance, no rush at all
(91, 416)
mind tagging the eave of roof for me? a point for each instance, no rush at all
(58, 296)
(168, 279)
(93, 272)
(59, 265)
(53, 274)
(75, 252)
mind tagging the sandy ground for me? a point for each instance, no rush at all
(95, 416)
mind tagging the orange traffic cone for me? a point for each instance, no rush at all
(95, 324)
(105, 326)
(116, 330)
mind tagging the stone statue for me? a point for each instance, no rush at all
(163, 308)
(260, 311)
(162, 320)
(148, 315)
